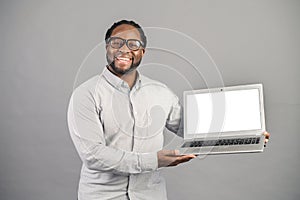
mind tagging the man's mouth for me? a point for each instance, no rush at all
(123, 59)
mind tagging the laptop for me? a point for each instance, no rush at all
(224, 120)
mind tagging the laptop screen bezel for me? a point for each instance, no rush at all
(229, 133)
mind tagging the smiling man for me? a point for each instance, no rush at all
(116, 121)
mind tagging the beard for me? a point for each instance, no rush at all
(120, 71)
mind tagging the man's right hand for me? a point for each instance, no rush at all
(168, 158)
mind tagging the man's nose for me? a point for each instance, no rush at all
(124, 48)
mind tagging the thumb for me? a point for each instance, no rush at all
(171, 152)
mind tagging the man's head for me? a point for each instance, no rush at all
(125, 46)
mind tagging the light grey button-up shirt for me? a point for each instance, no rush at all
(117, 132)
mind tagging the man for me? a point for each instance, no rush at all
(116, 122)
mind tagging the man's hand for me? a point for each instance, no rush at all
(267, 137)
(168, 158)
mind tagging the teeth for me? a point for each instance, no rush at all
(122, 58)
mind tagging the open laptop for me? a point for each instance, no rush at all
(224, 120)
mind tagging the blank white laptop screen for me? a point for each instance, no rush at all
(225, 111)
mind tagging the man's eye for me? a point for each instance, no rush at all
(115, 43)
(133, 45)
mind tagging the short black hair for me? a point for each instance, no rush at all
(132, 23)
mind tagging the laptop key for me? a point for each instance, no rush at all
(257, 140)
(235, 142)
(248, 141)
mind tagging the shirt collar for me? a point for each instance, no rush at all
(117, 82)
(138, 80)
(111, 78)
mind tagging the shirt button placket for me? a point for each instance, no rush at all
(132, 180)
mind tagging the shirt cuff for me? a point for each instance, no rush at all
(149, 161)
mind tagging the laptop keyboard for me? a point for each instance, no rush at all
(223, 142)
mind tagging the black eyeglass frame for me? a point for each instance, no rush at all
(125, 42)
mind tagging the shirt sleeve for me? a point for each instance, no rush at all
(86, 131)
(174, 121)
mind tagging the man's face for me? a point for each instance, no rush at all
(124, 60)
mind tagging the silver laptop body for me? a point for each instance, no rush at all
(224, 120)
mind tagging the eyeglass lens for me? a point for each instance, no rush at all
(132, 44)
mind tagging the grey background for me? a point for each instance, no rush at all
(43, 43)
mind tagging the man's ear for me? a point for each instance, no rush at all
(143, 51)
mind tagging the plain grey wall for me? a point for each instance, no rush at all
(43, 43)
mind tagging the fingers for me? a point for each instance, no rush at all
(266, 134)
(182, 159)
(172, 158)
(267, 137)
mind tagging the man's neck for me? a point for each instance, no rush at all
(129, 77)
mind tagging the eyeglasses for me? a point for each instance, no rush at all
(117, 43)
